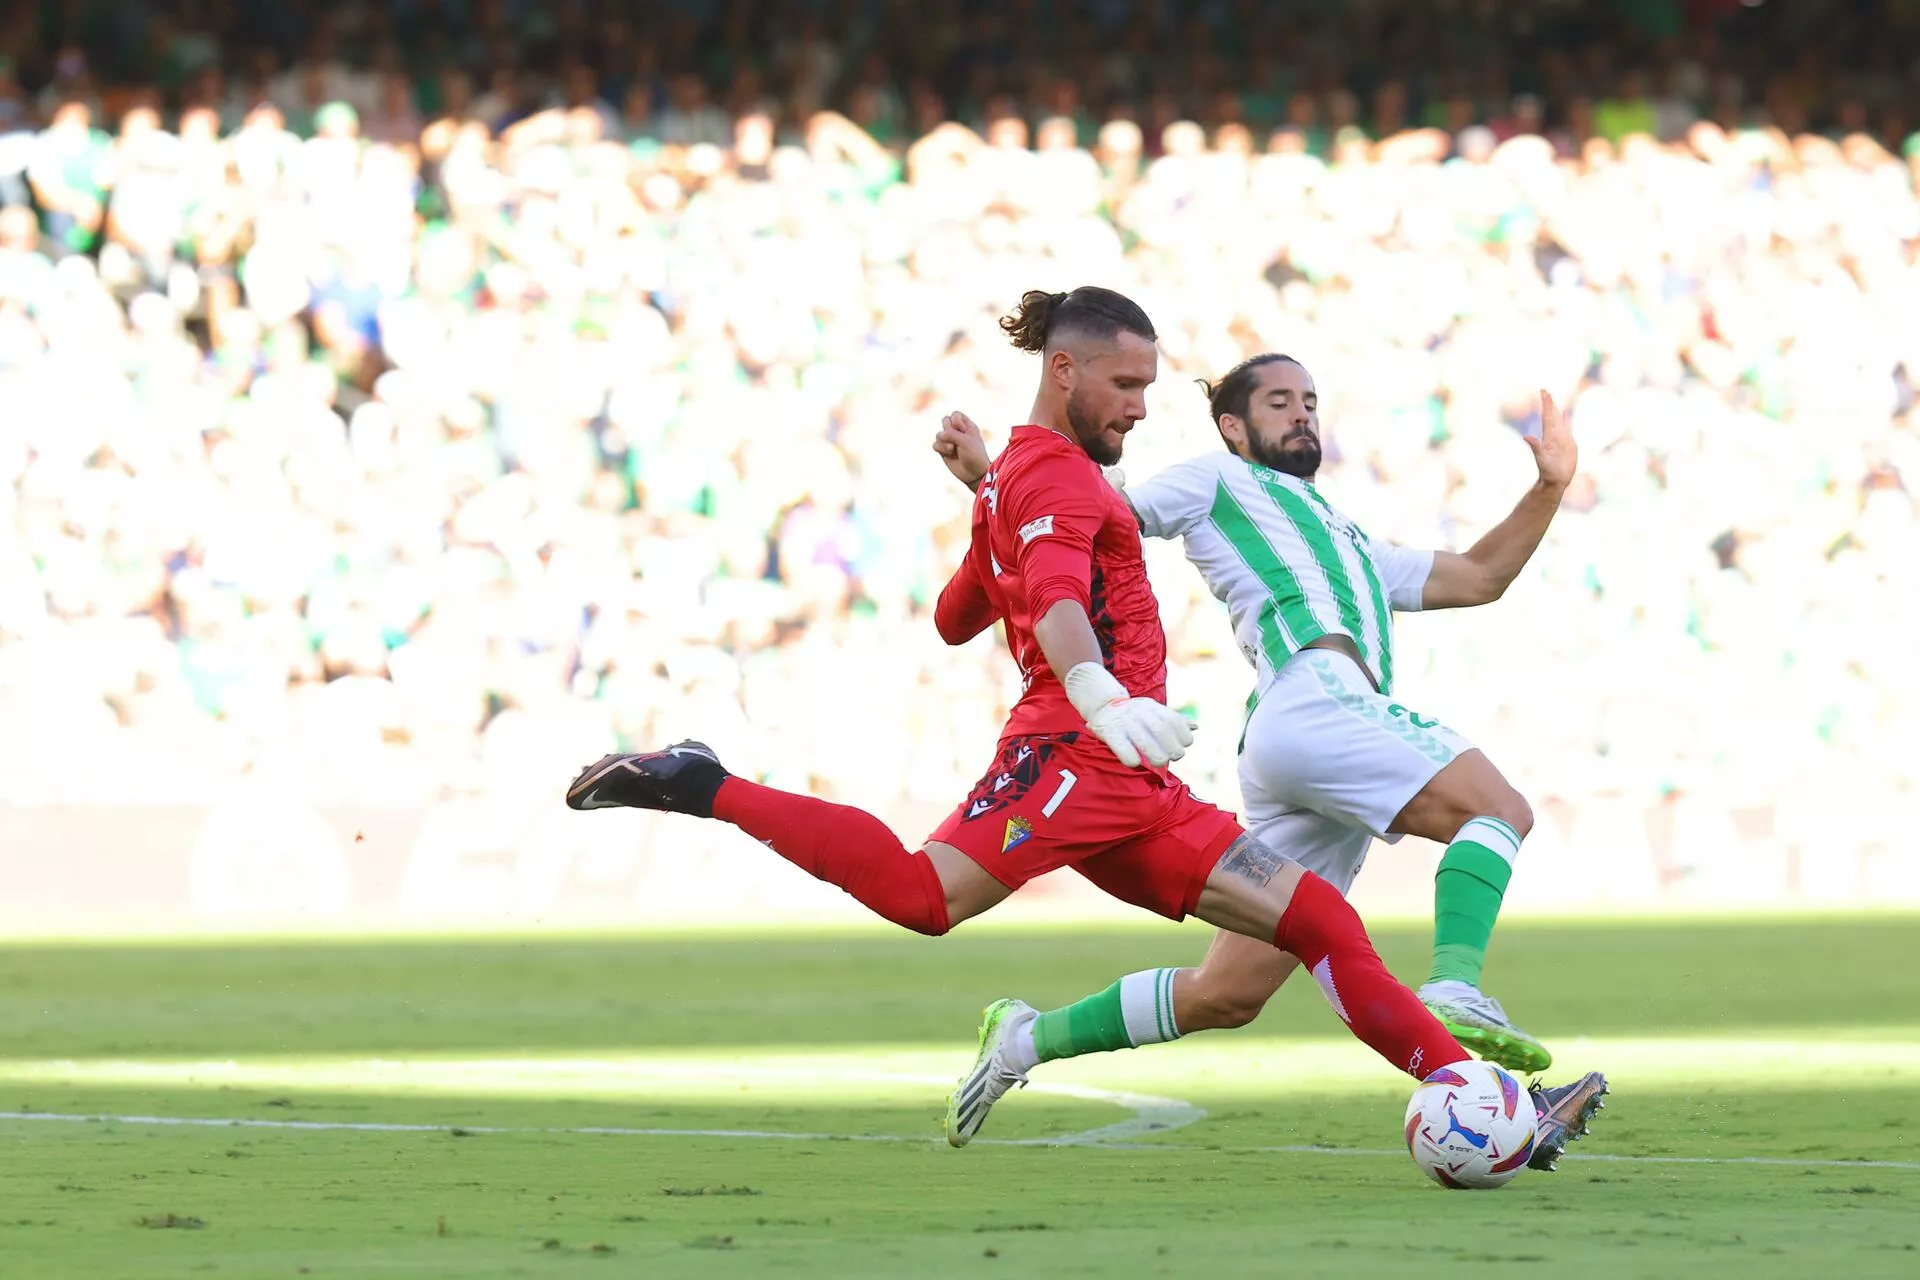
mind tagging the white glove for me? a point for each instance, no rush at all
(1115, 477)
(1133, 728)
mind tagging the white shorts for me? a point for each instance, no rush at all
(1327, 763)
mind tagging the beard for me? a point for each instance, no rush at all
(1297, 454)
(1089, 433)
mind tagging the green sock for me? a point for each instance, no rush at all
(1467, 890)
(1134, 1011)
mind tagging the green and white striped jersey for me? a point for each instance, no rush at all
(1289, 568)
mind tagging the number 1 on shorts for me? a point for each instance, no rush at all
(1066, 784)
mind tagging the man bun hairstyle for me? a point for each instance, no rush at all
(1088, 311)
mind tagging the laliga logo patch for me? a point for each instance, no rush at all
(1036, 529)
(1019, 831)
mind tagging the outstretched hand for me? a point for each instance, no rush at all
(961, 446)
(1554, 452)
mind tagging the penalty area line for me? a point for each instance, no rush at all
(1086, 1140)
(1091, 1138)
(1151, 1114)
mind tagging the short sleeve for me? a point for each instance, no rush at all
(1403, 572)
(1176, 499)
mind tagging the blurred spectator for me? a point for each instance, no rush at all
(690, 117)
(70, 173)
(15, 113)
(580, 92)
(394, 119)
(364, 452)
(1628, 110)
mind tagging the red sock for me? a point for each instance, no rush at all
(1325, 934)
(842, 845)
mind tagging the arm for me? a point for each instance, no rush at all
(960, 443)
(1057, 526)
(949, 144)
(1484, 571)
(1066, 636)
(1171, 503)
(1164, 508)
(963, 610)
(829, 132)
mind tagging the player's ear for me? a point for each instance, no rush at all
(1060, 365)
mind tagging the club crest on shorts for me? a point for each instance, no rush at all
(1019, 831)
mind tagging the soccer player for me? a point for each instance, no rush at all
(1329, 761)
(1079, 778)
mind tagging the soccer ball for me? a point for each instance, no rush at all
(1470, 1126)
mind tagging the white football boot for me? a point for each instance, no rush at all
(995, 1070)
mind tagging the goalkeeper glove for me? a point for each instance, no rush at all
(1133, 728)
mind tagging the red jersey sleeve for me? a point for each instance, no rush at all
(1055, 514)
(963, 610)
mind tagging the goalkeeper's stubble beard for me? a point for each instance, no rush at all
(1091, 433)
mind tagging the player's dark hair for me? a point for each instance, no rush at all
(1233, 394)
(1089, 310)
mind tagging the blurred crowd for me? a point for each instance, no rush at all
(414, 400)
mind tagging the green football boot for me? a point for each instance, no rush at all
(1478, 1022)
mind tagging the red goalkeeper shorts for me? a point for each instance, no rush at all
(1063, 800)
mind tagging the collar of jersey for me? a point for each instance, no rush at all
(1262, 472)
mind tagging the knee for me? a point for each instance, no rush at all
(1493, 797)
(1224, 1008)
(936, 917)
(1512, 808)
(930, 925)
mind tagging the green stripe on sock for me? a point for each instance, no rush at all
(1467, 890)
(1503, 825)
(1091, 1025)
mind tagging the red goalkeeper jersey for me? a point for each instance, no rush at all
(1048, 527)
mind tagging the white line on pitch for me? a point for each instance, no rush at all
(349, 1126)
(1077, 1139)
(1151, 1114)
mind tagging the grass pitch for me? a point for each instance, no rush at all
(742, 1106)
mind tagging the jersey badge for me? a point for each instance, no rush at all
(1036, 528)
(1019, 831)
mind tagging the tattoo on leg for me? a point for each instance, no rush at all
(1251, 860)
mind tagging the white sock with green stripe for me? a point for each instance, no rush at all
(1134, 1011)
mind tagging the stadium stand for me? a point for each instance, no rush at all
(412, 400)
